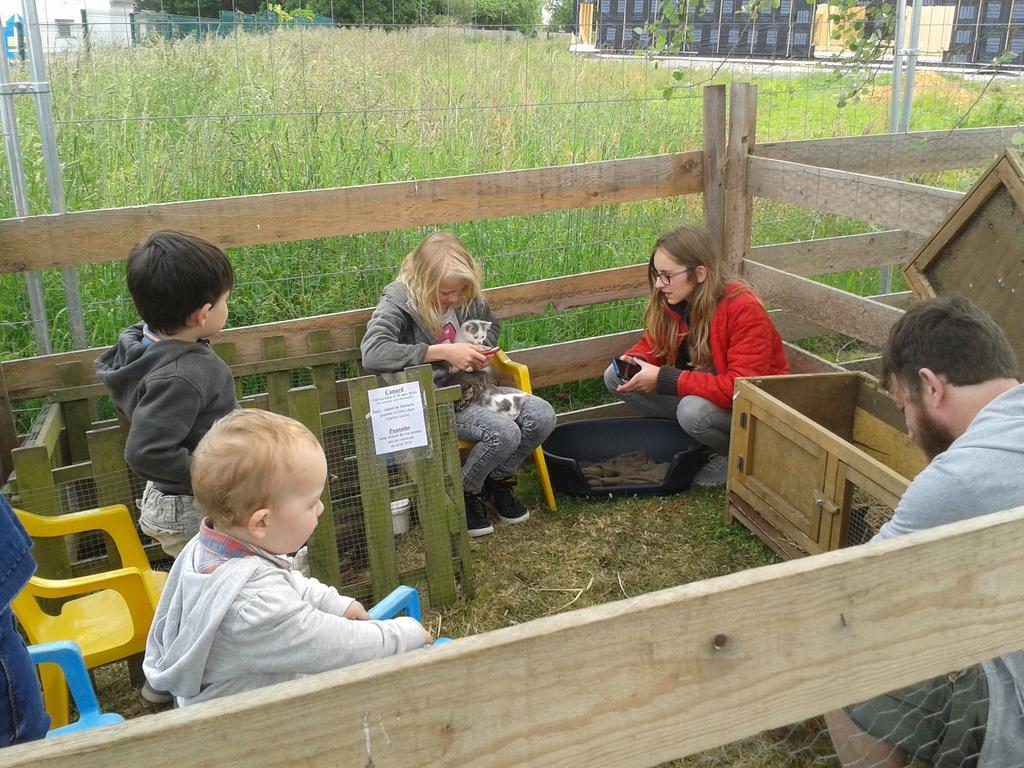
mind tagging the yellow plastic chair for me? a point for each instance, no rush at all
(109, 614)
(520, 376)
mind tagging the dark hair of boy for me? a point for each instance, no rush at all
(172, 274)
(951, 337)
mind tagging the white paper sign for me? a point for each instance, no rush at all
(396, 417)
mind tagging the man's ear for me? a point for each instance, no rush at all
(932, 386)
(198, 318)
(257, 525)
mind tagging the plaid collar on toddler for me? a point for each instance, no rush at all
(216, 548)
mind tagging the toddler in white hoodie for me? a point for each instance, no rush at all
(234, 616)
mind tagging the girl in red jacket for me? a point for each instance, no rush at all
(701, 331)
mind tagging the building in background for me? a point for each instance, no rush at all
(955, 31)
(65, 24)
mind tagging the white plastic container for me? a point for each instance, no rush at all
(400, 510)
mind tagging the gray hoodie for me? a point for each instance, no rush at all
(251, 623)
(978, 474)
(172, 391)
(396, 337)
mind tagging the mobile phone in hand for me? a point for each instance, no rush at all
(624, 370)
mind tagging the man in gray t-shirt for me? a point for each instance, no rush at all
(954, 375)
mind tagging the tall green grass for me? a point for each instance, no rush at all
(307, 109)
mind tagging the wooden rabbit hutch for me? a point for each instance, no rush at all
(678, 671)
(802, 448)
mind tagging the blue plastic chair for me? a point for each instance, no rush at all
(398, 600)
(68, 656)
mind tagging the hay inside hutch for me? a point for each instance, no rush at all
(817, 461)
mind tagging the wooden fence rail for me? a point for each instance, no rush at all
(91, 237)
(631, 683)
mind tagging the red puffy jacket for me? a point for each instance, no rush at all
(744, 342)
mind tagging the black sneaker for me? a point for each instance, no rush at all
(476, 515)
(500, 494)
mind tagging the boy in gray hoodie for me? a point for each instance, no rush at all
(163, 376)
(234, 616)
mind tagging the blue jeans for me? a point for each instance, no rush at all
(700, 418)
(501, 443)
(22, 717)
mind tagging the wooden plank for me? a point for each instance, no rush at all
(856, 316)
(373, 492)
(793, 327)
(714, 159)
(92, 237)
(455, 505)
(738, 193)
(886, 202)
(573, 360)
(323, 375)
(426, 471)
(106, 451)
(278, 382)
(304, 406)
(891, 153)
(37, 494)
(802, 361)
(677, 671)
(229, 354)
(840, 254)
(871, 365)
(77, 419)
(34, 377)
(8, 430)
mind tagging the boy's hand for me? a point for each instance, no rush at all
(646, 381)
(357, 612)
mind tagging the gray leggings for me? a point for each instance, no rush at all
(501, 443)
(700, 418)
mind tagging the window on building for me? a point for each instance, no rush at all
(1017, 45)
(963, 37)
(992, 46)
(770, 37)
(627, 36)
(606, 7)
(63, 28)
(967, 11)
(993, 10)
(734, 36)
(638, 8)
(803, 17)
(726, 8)
(1017, 14)
(697, 34)
(784, 7)
(800, 38)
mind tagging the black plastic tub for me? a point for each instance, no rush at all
(601, 439)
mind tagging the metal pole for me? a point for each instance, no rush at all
(40, 326)
(48, 140)
(897, 67)
(912, 52)
(885, 272)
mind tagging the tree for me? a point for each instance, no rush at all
(561, 14)
(519, 14)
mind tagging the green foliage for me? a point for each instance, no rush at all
(561, 14)
(515, 14)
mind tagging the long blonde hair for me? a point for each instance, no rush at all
(440, 256)
(689, 247)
